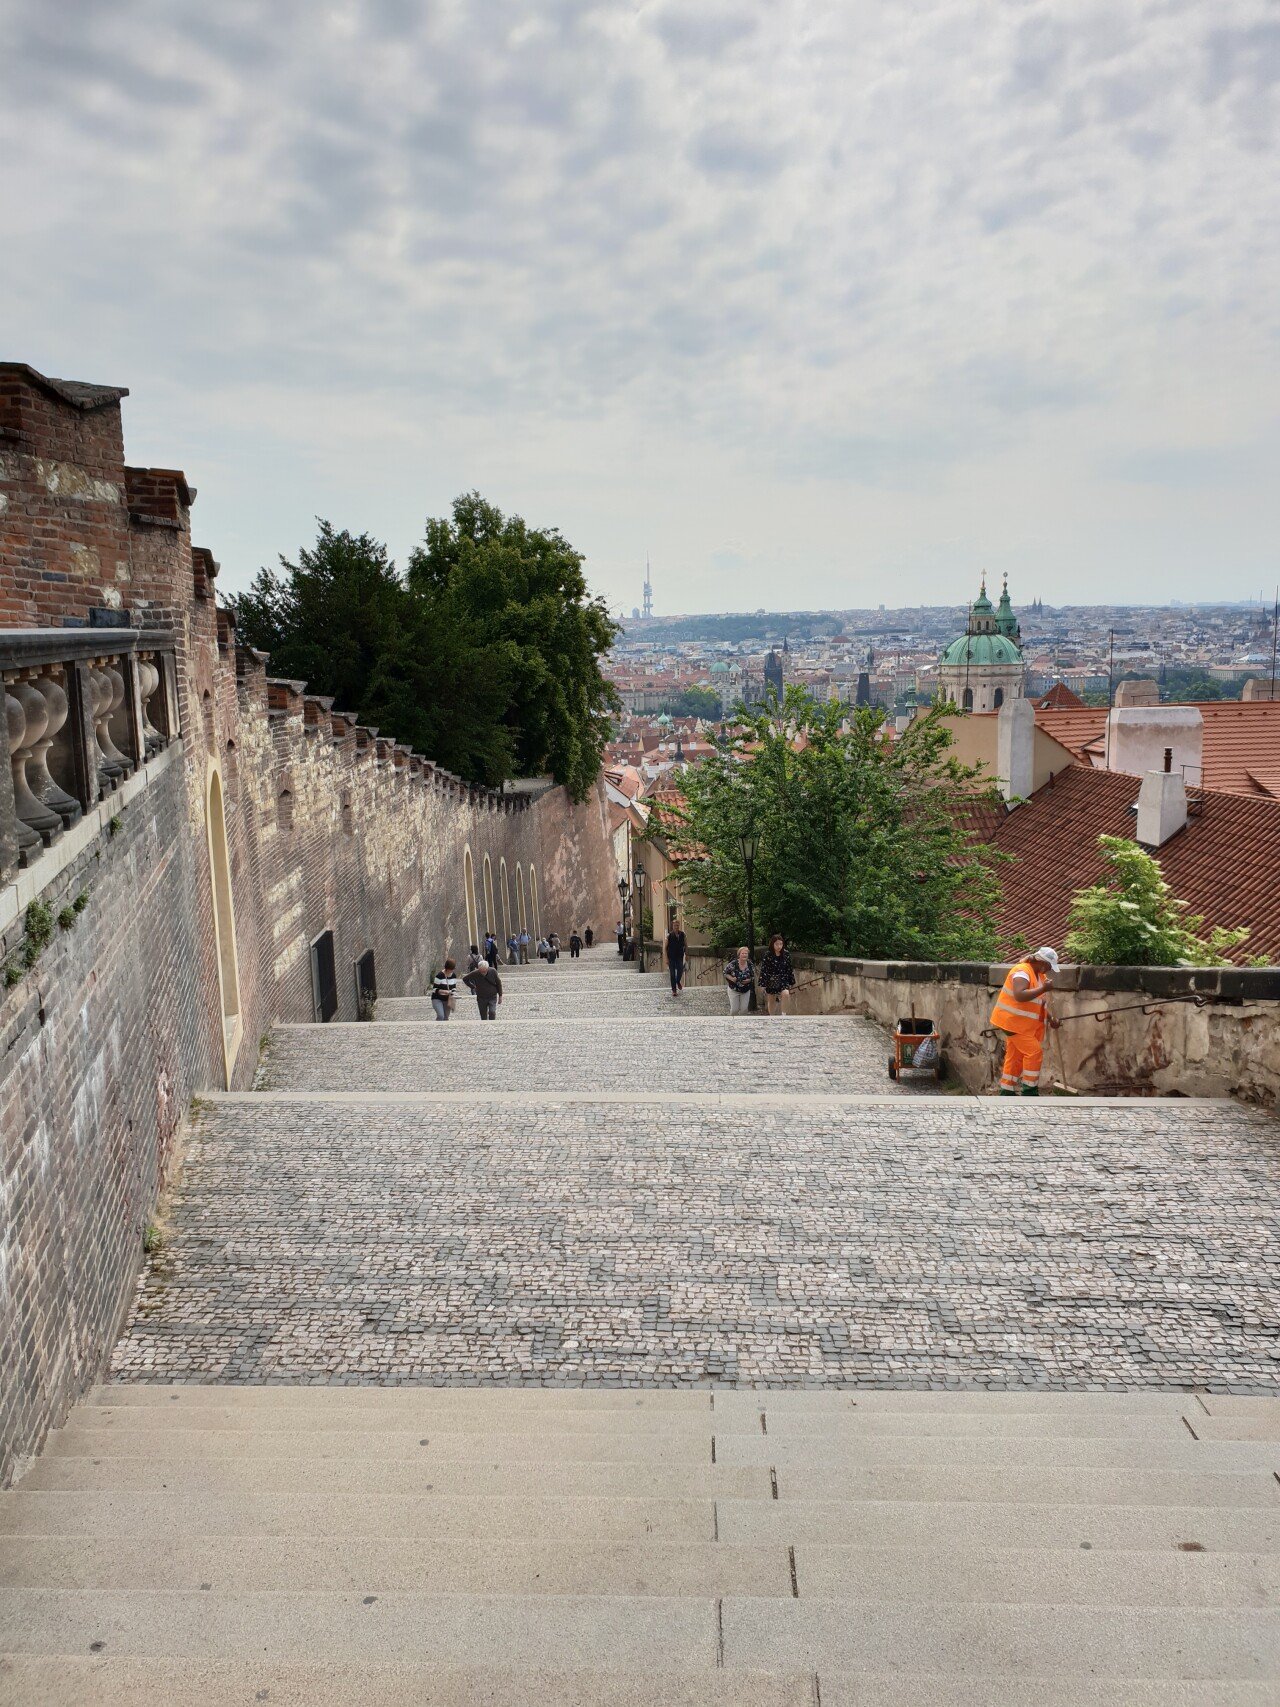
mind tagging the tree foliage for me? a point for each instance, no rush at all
(486, 656)
(693, 702)
(862, 841)
(1132, 918)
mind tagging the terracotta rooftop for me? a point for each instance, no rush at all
(1224, 863)
(1241, 740)
(1059, 698)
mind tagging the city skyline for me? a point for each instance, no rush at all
(783, 296)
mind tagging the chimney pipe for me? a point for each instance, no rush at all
(1168, 758)
(1162, 808)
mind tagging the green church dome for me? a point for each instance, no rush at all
(977, 649)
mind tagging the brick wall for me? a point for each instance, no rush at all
(106, 1039)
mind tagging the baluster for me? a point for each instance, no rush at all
(43, 784)
(119, 693)
(148, 682)
(27, 716)
(111, 763)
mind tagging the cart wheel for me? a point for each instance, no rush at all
(893, 1068)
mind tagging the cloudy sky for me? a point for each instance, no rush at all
(818, 302)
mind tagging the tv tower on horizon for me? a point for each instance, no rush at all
(647, 607)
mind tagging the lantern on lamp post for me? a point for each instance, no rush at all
(624, 901)
(638, 912)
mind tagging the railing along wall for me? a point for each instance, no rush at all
(84, 709)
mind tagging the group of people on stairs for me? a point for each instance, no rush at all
(482, 977)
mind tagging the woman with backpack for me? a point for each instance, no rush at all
(444, 990)
(739, 976)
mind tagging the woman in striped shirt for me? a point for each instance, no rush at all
(444, 987)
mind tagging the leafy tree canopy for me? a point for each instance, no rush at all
(862, 841)
(693, 702)
(486, 656)
(1131, 918)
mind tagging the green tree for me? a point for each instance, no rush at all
(863, 847)
(520, 597)
(1132, 918)
(486, 657)
(693, 702)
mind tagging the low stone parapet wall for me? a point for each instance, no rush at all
(1130, 1031)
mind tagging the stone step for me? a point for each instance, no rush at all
(647, 1633)
(521, 1004)
(1014, 1640)
(64, 1680)
(638, 1479)
(664, 1445)
(460, 1476)
(518, 1566)
(960, 1525)
(71, 1681)
(553, 1632)
(479, 1517)
(670, 1052)
(438, 1565)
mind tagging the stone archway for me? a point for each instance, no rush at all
(490, 916)
(224, 923)
(505, 895)
(469, 897)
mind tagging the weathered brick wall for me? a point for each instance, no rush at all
(106, 1039)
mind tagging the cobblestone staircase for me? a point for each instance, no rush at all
(623, 1353)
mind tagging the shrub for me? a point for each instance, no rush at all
(1132, 917)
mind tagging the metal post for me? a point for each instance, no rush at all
(752, 1006)
(638, 886)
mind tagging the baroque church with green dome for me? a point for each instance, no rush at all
(983, 667)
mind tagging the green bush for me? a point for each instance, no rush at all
(1132, 917)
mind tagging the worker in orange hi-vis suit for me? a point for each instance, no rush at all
(1022, 1013)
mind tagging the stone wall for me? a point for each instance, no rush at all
(152, 994)
(1230, 1046)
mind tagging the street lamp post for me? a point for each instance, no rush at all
(624, 899)
(639, 882)
(748, 842)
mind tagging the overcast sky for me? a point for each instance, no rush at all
(818, 302)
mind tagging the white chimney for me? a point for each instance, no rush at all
(1141, 692)
(1139, 736)
(1162, 807)
(1258, 687)
(1016, 748)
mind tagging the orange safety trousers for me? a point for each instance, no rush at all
(1023, 1056)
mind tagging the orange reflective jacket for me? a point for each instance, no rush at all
(1023, 1016)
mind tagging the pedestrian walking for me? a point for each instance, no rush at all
(485, 985)
(777, 975)
(513, 949)
(525, 940)
(444, 990)
(589, 936)
(490, 949)
(473, 958)
(544, 948)
(575, 943)
(553, 949)
(1020, 1016)
(676, 945)
(617, 931)
(739, 976)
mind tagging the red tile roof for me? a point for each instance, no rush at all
(1225, 863)
(1241, 740)
(1058, 698)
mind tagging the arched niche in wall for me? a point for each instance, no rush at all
(490, 916)
(521, 911)
(966, 704)
(224, 922)
(533, 896)
(505, 896)
(469, 898)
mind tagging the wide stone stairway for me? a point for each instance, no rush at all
(621, 1352)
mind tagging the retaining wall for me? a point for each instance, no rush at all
(1230, 1046)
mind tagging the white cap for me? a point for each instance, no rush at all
(1049, 956)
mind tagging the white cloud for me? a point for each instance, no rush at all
(790, 287)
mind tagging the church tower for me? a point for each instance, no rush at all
(983, 667)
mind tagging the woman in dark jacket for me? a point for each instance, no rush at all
(777, 976)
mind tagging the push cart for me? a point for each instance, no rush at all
(917, 1048)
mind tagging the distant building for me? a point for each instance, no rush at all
(983, 667)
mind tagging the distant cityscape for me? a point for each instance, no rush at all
(1192, 651)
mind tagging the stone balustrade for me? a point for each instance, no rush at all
(84, 709)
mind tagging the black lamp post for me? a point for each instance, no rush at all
(748, 842)
(639, 882)
(624, 900)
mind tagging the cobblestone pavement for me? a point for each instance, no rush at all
(673, 1052)
(919, 1243)
(613, 998)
